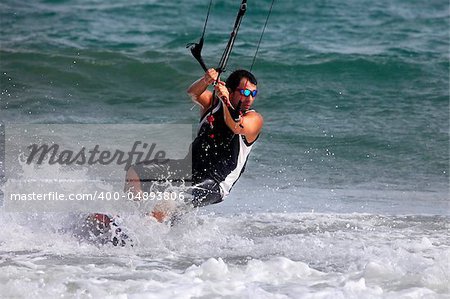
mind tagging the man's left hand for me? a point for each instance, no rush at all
(222, 92)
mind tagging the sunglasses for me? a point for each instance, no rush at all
(248, 92)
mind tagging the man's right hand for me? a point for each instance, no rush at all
(210, 76)
(199, 92)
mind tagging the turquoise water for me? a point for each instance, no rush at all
(355, 97)
(354, 94)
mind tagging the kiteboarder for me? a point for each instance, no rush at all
(227, 130)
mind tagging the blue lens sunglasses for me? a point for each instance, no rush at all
(248, 92)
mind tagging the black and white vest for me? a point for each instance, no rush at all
(218, 153)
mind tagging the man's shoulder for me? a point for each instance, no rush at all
(253, 115)
(253, 124)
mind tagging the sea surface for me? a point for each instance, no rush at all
(346, 191)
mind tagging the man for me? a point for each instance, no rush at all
(228, 128)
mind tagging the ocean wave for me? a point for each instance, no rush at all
(346, 255)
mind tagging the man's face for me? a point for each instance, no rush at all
(236, 96)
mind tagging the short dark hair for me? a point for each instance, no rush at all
(235, 78)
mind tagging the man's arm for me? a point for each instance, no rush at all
(198, 90)
(249, 124)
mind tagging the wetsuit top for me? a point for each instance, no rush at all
(218, 153)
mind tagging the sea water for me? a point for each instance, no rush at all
(345, 194)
